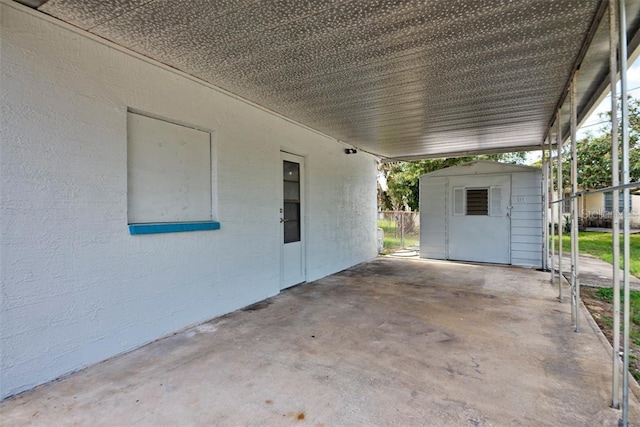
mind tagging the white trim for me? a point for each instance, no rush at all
(507, 169)
(301, 160)
(493, 190)
(459, 209)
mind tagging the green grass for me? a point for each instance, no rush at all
(606, 294)
(392, 238)
(599, 245)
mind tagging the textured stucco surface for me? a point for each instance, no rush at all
(76, 287)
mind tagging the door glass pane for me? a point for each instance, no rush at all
(291, 202)
(291, 191)
(291, 211)
(291, 171)
(291, 231)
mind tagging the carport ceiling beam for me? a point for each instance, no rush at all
(581, 54)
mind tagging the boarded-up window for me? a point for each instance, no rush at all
(477, 201)
(169, 172)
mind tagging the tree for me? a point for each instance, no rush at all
(594, 153)
(403, 177)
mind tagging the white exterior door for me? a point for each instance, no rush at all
(292, 265)
(479, 218)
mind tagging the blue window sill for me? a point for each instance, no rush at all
(172, 227)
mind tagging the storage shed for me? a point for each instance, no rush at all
(484, 212)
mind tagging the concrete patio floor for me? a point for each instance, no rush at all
(389, 342)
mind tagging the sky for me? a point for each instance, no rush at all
(594, 122)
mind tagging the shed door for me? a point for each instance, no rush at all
(479, 218)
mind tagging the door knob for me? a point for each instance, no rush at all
(283, 220)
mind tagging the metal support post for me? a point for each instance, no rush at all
(615, 180)
(545, 203)
(575, 282)
(402, 229)
(559, 205)
(625, 206)
(550, 192)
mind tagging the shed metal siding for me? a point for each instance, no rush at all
(526, 219)
(526, 213)
(433, 218)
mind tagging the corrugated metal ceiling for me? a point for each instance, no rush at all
(401, 79)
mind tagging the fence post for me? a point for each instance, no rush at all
(402, 229)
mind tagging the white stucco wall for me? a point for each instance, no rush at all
(76, 287)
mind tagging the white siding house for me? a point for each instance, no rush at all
(597, 209)
(105, 157)
(484, 212)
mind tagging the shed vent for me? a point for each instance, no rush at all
(478, 201)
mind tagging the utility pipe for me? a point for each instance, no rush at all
(622, 32)
(575, 282)
(615, 180)
(545, 203)
(546, 208)
(559, 206)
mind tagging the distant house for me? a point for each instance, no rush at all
(597, 209)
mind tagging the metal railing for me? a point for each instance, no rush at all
(620, 172)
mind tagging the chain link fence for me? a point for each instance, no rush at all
(401, 229)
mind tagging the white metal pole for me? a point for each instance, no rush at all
(402, 229)
(625, 206)
(615, 180)
(546, 208)
(575, 283)
(559, 205)
(545, 203)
